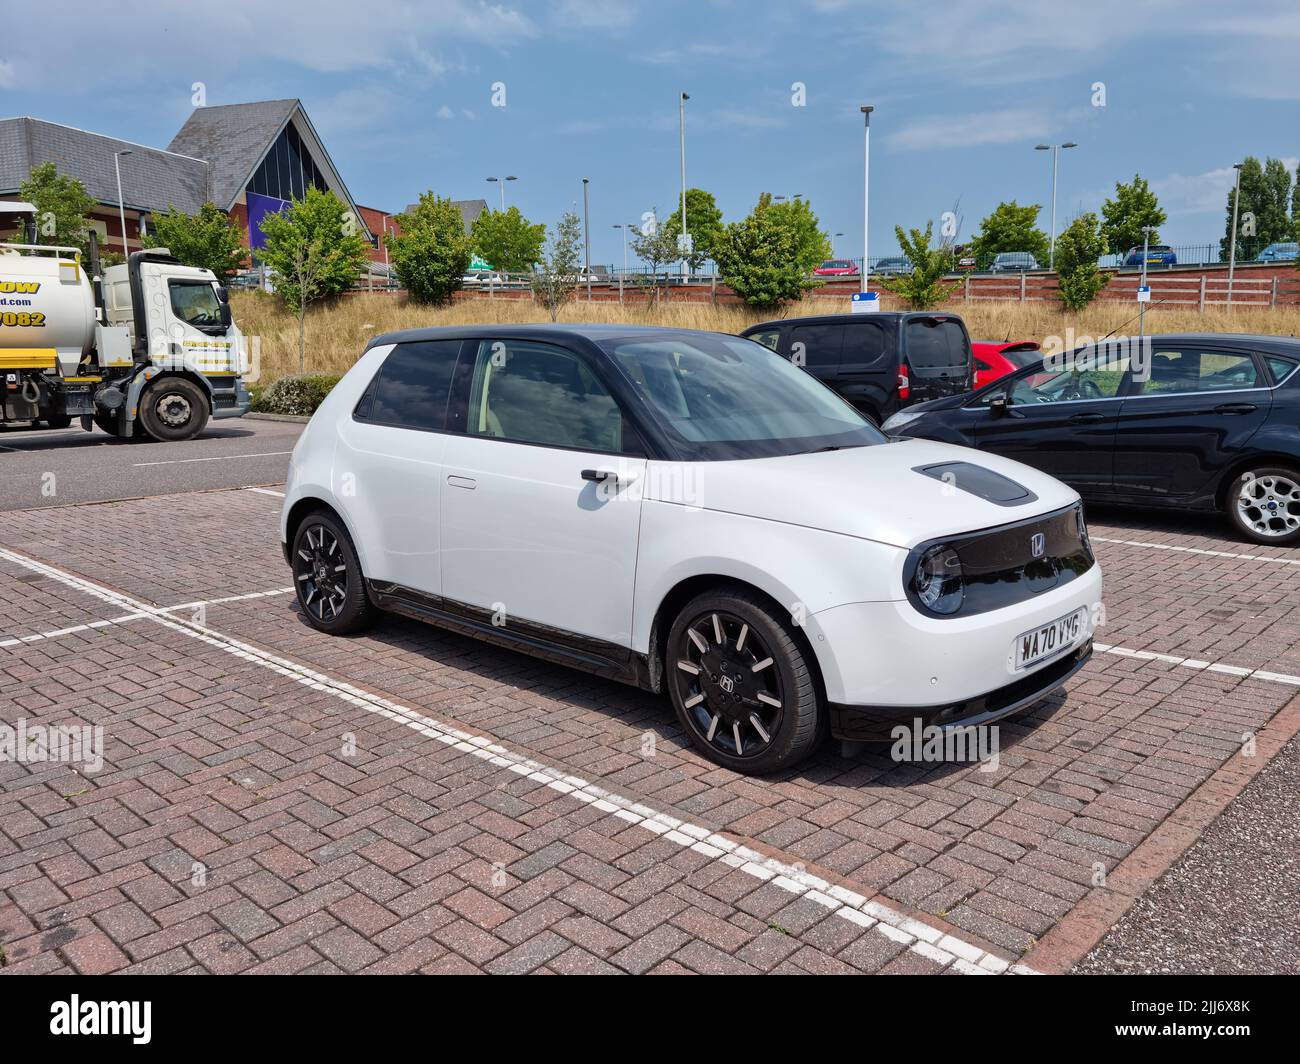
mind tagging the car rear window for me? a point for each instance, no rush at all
(410, 390)
(936, 343)
(1281, 368)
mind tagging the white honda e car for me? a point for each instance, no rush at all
(688, 512)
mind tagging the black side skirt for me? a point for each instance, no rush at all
(556, 645)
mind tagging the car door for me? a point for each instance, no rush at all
(868, 371)
(1057, 418)
(389, 464)
(816, 348)
(541, 499)
(1188, 420)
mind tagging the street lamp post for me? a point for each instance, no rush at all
(1232, 244)
(866, 196)
(623, 275)
(1055, 149)
(586, 236)
(681, 130)
(500, 182)
(1142, 306)
(121, 205)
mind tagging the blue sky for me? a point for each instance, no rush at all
(401, 93)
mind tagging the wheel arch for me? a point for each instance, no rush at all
(298, 513)
(690, 587)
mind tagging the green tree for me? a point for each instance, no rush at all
(62, 207)
(1262, 217)
(556, 278)
(432, 252)
(209, 240)
(654, 245)
(508, 241)
(315, 249)
(703, 222)
(1133, 207)
(921, 289)
(1009, 228)
(1077, 251)
(768, 257)
(1295, 205)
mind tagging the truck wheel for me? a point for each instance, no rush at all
(107, 422)
(173, 409)
(741, 683)
(59, 421)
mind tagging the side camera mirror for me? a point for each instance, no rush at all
(226, 318)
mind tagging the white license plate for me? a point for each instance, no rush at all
(1045, 642)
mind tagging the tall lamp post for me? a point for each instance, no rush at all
(1147, 230)
(685, 236)
(866, 196)
(500, 182)
(1055, 149)
(121, 205)
(586, 236)
(623, 275)
(1232, 244)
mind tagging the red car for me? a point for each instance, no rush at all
(997, 358)
(836, 268)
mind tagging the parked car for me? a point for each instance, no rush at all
(966, 262)
(1008, 261)
(879, 362)
(892, 267)
(482, 279)
(836, 268)
(1287, 251)
(1214, 426)
(646, 504)
(997, 358)
(1156, 255)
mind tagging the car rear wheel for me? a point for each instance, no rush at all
(741, 683)
(1264, 504)
(327, 577)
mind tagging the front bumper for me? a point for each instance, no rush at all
(875, 723)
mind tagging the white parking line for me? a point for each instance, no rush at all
(267, 491)
(916, 935)
(1202, 666)
(218, 458)
(150, 611)
(1196, 550)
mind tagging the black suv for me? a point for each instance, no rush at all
(879, 362)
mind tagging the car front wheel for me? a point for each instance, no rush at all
(1264, 504)
(741, 683)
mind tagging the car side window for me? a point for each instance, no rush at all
(769, 338)
(816, 346)
(1190, 371)
(411, 388)
(1068, 385)
(530, 392)
(864, 344)
(1281, 368)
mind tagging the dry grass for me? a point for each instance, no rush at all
(337, 333)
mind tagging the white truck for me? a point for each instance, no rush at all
(145, 349)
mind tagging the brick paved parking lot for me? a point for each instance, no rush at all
(275, 800)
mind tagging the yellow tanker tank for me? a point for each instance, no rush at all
(47, 309)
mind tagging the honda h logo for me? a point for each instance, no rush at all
(1037, 544)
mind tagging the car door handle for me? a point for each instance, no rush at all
(1236, 408)
(601, 476)
(468, 483)
(1079, 419)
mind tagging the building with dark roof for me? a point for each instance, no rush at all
(247, 158)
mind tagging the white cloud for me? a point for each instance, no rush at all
(607, 15)
(1204, 193)
(445, 112)
(965, 131)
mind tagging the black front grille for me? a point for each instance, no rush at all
(1001, 566)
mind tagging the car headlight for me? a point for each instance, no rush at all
(938, 580)
(897, 421)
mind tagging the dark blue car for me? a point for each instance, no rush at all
(1193, 422)
(1157, 255)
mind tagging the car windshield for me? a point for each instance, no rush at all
(835, 264)
(724, 397)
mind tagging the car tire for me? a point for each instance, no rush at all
(58, 421)
(173, 409)
(327, 576)
(1263, 504)
(742, 683)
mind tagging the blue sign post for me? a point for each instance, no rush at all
(865, 302)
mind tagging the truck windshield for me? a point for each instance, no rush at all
(722, 397)
(196, 302)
